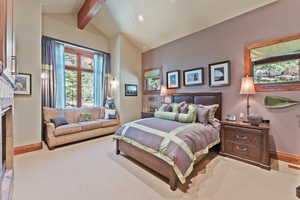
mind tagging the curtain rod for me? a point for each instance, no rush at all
(70, 43)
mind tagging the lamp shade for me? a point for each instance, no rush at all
(247, 86)
(163, 91)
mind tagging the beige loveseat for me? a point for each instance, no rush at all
(76, 130)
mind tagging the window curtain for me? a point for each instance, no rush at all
(60, 75)
(48, 72)
(101, 74)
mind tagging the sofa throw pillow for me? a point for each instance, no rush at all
(202, 114)
(59, 121)
(112, 116)
(83, 117)
(109, 112)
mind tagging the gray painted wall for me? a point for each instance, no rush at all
(226, 41)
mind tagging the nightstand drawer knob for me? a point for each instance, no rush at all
(241, 137)
(242, 148)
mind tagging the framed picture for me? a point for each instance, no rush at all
(219, 74)
(130, 90)
(193, 77)
(23, 84)
(173, 79)
(152, 80)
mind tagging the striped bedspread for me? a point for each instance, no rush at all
(178, 144)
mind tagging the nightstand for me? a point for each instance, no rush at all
(147, 115)
(246, 143)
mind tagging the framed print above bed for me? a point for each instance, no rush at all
(219, 74)
(173, 79)
(193, 77)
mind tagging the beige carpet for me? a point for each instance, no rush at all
(91, 171)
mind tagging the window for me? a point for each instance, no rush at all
(79, 77)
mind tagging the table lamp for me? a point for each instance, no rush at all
(247, 88)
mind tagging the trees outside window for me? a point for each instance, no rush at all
(79, 77)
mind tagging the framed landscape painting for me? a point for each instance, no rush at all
(152, 80)
(219, 74)
(130, 90)
(173, 79)
(193, 77)
(23, 84)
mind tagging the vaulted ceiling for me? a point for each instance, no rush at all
(152, 23)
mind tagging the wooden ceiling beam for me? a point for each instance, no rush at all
(89, 9)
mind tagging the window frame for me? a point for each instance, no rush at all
(79, 69)
(272, 87)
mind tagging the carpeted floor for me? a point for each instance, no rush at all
(91, 171)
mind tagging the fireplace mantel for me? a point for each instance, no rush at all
(6, 134)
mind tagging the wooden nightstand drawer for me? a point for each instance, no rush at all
(243, 151)
(243, 135)
(246, 143)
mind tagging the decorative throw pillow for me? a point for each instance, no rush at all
(112, 116)
(109, 112)
(165, 115)
(184, 109)
(83, 117)
(189, 117)
(211, 113)
(59, 121)
(202, 114)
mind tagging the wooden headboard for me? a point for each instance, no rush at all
(201, 98)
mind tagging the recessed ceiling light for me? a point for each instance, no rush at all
(141, 18)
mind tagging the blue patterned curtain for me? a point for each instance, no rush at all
(60, 75)
(48, 72)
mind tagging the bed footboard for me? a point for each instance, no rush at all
(150, 161)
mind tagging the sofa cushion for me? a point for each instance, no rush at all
(90, 125)
(108, 122)
(84, 117)
(73, 114)
(51, 113)
(67, 129)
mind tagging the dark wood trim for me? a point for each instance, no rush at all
(229, 73)
(249, 72)
(189, 70)
(148, 92)
(179, 81)
(89, 9)
(28, 148)
(294, 167)
(286, 157)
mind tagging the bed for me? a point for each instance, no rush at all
(172, 157)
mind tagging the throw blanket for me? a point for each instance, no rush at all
(179, 144)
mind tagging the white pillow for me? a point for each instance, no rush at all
(109, 112)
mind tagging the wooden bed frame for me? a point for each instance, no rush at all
(156, 164)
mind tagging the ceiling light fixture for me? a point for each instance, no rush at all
(141, 18)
